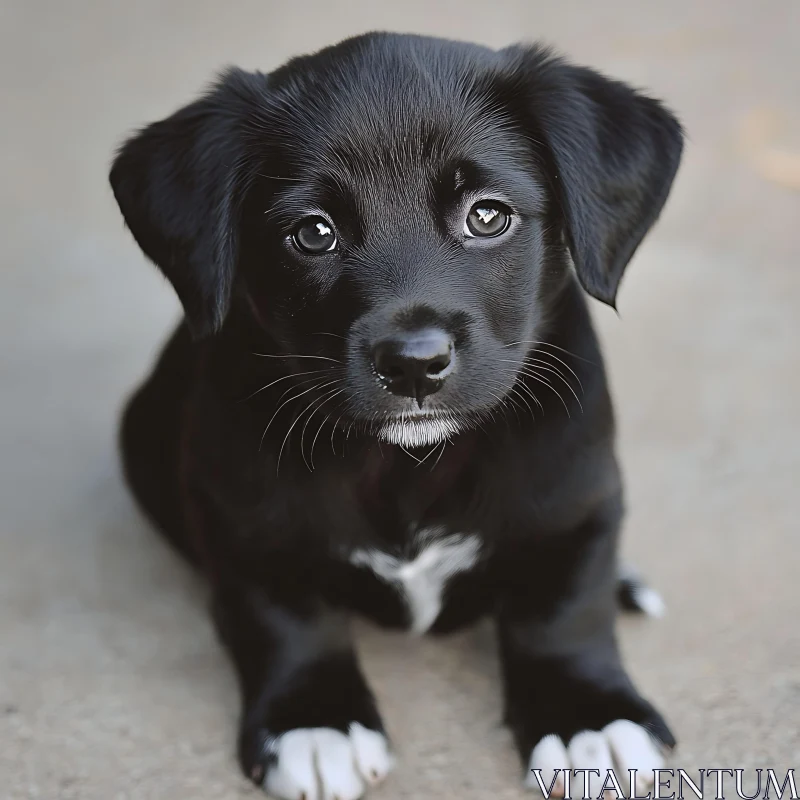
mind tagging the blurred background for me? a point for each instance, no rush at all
(111, 682)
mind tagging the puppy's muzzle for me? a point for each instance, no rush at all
(416, 363)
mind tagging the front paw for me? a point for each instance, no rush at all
(319, 763)
(620, 746)
(563, 723)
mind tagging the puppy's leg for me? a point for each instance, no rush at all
(150, 438)
(569, 701)
(310, 728)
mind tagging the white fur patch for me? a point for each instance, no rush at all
(649, 601)
(420, 431)
(421, 581)
(643, 597)
(620, 746)
(323, 763)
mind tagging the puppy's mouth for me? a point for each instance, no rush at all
(418, 429)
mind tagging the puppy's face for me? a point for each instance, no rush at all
(406, 239)
(402, 206)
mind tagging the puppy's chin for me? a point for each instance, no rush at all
(418, 431)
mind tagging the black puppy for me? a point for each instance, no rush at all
(387, 395)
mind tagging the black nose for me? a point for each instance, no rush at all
(414, 364)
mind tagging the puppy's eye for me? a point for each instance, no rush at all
(487, 218)
(315, 235)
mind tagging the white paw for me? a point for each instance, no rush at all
(620, 746)
(326, 764)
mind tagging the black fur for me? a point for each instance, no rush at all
(267, 471)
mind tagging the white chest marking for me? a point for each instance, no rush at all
(421, 581)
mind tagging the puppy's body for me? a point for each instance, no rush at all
(271, 453)
(507, 485)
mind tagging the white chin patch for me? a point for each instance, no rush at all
(621, 746)
(323, 763)
(419, 432)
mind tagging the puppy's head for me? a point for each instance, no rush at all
(403, 205)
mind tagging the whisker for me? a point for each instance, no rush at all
(316, 436)
(278, 355)
(500, 402)
(288, 400)
(448, 418)
(528, 364)
(523, 386)
(329, 396)
(548, 368)
(418, 460)
(552, 388)
(336, 374)
(512, 400)
(564, 363)
(283, 378)
(555, 346)
(445, 442)
(314, 440)
(291, 427)
(530, 371)
(516, 399)
(423, 460)
(526, 404)
(333, 431)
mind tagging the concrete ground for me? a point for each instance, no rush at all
(111, 682)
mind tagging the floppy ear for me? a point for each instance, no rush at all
(175, 183)
(613, 153)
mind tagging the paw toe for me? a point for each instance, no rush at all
(325, 764)
(371, 751)
(292, 776)
(621, 746)
(634, 748)
(550, 759)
